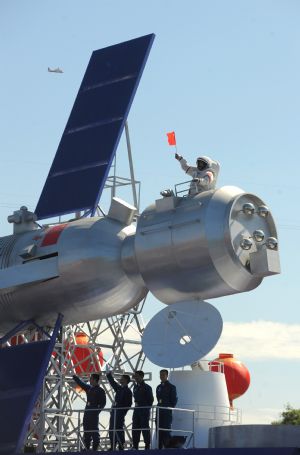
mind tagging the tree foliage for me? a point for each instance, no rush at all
(290, 416)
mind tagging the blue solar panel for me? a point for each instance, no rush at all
(20, 383)
(89, 142)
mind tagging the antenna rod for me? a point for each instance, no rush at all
(113, 190)
(135, 201)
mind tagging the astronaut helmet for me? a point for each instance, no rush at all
(202, 163)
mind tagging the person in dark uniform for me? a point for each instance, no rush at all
(95, 401)
(166, 395)
(123, 399)
(143, 396)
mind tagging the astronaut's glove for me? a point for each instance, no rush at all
(203, 181)
(178, 157)
(107, 369)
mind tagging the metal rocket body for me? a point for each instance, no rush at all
(193, 247)
(182, 248)
(74, 269)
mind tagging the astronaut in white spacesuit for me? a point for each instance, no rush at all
(204, 175)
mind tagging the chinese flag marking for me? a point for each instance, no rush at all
(171, 138)
(52, 234)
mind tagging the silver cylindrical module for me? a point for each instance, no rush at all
(216, 243)
(191, 248)
(73, 268)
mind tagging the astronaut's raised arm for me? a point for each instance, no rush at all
(185, 166)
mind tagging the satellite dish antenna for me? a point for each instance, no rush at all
(182, 333)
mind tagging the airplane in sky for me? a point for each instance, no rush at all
(55, 70)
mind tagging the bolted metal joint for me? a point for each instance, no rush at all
(23, 220)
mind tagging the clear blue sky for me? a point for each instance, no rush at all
(225, 77)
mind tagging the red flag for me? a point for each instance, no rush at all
(171, 138)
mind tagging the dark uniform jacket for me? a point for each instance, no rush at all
(143, 395)
(95, 395)
(123, 397)
(166, 395)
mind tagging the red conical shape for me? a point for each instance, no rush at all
(17, 339)
(236, 374)
(84, 358)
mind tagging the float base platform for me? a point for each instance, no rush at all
(227, 451)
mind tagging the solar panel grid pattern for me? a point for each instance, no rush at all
(19, 383)
(90, 139)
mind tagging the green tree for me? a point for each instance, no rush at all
(289, 416)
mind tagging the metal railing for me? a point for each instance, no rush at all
(185, 423)
(73, 439)
(182, 189)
